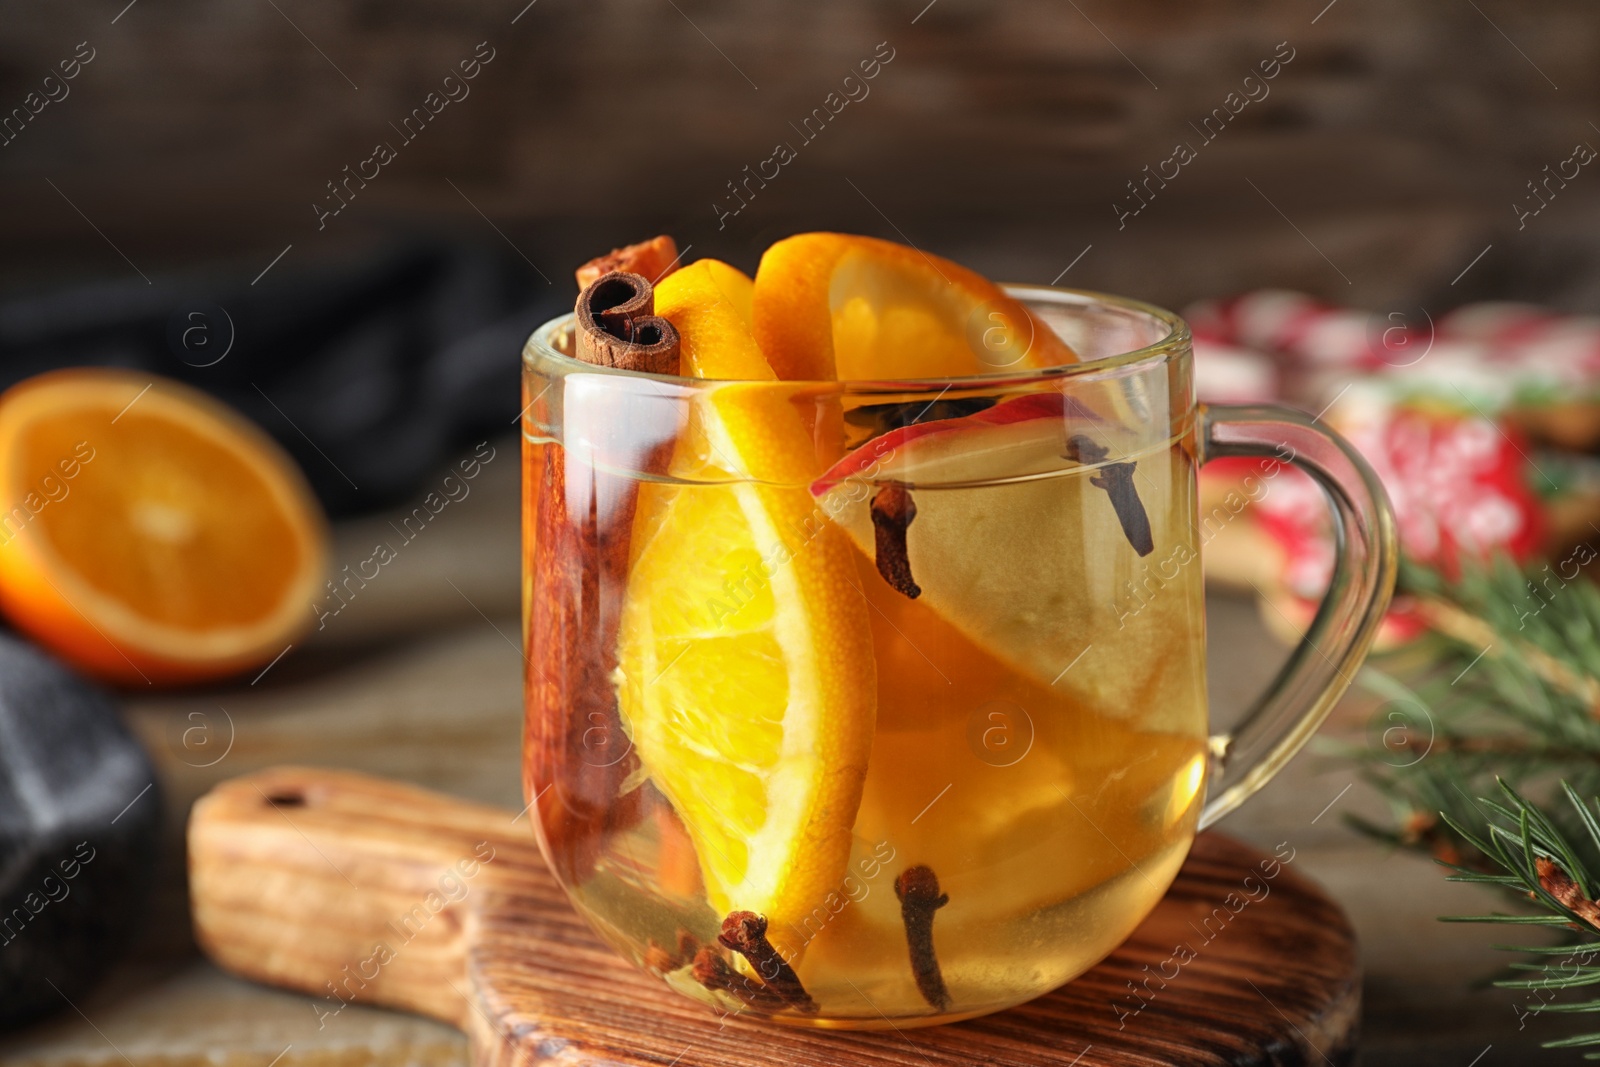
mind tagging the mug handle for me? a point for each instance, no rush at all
(1364, 565)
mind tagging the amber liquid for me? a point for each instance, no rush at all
(1039, 743)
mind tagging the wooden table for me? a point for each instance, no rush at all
(418, 678)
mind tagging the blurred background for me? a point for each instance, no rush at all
(226, 159)
(1396, 141)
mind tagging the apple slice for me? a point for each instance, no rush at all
(1022, 548)
(1020, 435)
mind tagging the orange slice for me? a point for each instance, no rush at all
(746, 675)
(150, 534)
(835, 306)
(710, 303)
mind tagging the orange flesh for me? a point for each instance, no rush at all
(149, 527)
(837, 306)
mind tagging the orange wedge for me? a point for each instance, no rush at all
(709, 302)
(835, 306)
(149, 533)
(745, 666)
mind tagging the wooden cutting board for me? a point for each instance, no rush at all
(355, 889)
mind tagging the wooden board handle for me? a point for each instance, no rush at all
(347, 887)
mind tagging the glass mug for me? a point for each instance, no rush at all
(910, 726)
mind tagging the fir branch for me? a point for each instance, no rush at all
(1557, 873)
(1487, 738)
(1464, 627)
(1507, 686)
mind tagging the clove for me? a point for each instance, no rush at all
(877, 419)
(659, 960)
(892, 513)
(1117, 480)
(745, 932)
(713, 972)
(918, 890)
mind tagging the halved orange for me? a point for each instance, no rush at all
(150, 534)
(837, 306)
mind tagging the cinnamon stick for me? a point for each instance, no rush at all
(618, 326)
(655, 259)
(580, 519)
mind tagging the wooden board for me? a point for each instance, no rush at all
(356, 889)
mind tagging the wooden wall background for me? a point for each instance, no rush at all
(1001, 133)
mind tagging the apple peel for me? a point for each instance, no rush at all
(877, 459)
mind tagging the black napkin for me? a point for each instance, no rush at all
(370, 373)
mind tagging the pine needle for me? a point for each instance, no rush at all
(1484, 748)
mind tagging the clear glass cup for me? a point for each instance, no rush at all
(769, 774)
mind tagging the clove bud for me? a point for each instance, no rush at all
(1117, 481)
(918, 890)
(745, 932)
(892, 513)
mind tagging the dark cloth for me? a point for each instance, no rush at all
(369, 373)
